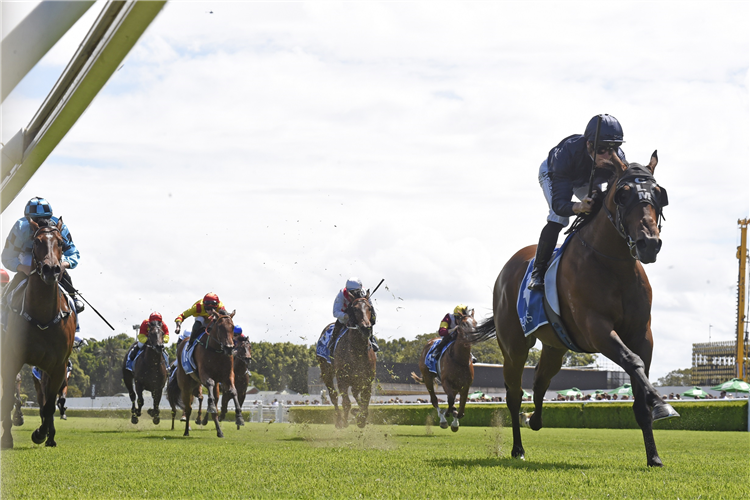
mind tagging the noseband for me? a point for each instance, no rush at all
(641, 189)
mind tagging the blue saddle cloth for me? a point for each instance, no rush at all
(37, 373)
(129, 365)
(531, 307)
(432, 357)
(188, 356)
(322, 348)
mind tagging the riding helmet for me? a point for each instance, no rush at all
(237, 330)
(610, 130)
(353, 284)
(155, 316)
(211, 298)
(460, 309)
(37, 207)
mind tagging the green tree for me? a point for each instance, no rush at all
(681, 377)
(283, 364)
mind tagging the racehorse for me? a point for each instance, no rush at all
(62, 394)
(242, 356)
(41, 333)
(18, 419)
(149, 373)
(353, 364)
(605, 300)
(456, 369)
(213, 359)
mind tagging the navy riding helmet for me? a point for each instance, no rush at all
(37, 207)
(610, 130)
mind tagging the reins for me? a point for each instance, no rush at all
(209, 337)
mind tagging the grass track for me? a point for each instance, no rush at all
(107, 458)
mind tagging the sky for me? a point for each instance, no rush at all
(267, 151)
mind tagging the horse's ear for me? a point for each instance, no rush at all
(653, 162)
(472, 313)
(367, 296)
(233, 312)
(619, 163)
(60, 224)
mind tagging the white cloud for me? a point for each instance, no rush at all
(268, 151)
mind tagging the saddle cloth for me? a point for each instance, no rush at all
(322, 348)
(533, 312)
(188, 356)
(432, 359)
(129, 365)
(37, 372)
(13, 300)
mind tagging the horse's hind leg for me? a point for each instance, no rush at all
(346, 403)
(139, 391)
(211, 406)
(548, 366)
(127, 378)
(61, 403)
(10, 368)
(156, 395)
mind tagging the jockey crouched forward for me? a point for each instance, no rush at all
(345, 297)
(566, 172)
(448, 327)
(143, 334)
(200, 311)
(17, 252)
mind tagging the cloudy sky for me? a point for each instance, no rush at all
(266, 151)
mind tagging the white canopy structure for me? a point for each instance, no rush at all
(116, 30)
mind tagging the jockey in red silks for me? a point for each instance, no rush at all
(143, 334)
(200, 311)
(346, 296)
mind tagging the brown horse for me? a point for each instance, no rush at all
(605, 301)
(213, 357)
(456, 369)
(242, 357)
(40, 332)
(149, 373)
(353, 364)
(61, 396)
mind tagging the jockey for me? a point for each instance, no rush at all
(238, 335)
(565, 173)
(143, 334)
(346, 295)
(16, 255)
(200, 310)
(449, 325)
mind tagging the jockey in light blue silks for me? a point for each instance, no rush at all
(17, 253)
(346, 296)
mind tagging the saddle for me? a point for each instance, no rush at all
(432, 358)
(14, 300)
(322, 347)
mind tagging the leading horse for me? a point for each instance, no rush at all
(605, 300)
(213, 359)
(353, 364)
(149, 373)
(456, 369)
(40, 332)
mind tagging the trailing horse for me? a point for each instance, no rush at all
(353, 364)
(213, 359)
(456, 369)
(604, 300)
(149, 373)
(39, 332)
(242, 357)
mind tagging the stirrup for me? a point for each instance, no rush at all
(79, 305)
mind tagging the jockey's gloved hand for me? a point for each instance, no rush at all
(178, 327)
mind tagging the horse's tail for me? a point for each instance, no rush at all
(484, 331)
(416, 377)
(174, 394)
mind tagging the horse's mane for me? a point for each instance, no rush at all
(599, 197)
(44, 222)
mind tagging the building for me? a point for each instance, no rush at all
(715, 362)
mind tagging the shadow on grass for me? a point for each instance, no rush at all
(511, 463)
(162, 437)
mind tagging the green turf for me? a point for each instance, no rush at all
(107, 458)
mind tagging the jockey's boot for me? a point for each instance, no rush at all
(67, 285)
(375, 347)
(194, 334)
(444, 341)
(133, 353)
(544, 250)
(335, 335)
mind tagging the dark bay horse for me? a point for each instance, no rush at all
(213, 357)
(353, 364)
(456, 369)
(149, 373)
(605, 301)
(242, 357)
(41, 333)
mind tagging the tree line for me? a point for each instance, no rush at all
(276, 365)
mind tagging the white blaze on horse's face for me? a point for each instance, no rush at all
(47, 250)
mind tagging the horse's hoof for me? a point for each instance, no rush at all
(138, 412)
(6, 444)
(444, 425)
(63, 417)
(655, 462)
(221, 417)
(361, 425)
(133, 419)
(182, 418)
(525, 417)
(219, 434)
(454, 429)
(18, 421)
(38, 437)
(150, 412)
(664, 411)
(51, 443)
(156, 420)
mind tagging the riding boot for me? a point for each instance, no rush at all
(544, 250)
(67, 285)
(374, 344)
(194, 334)
(133, 353)
(338, 326)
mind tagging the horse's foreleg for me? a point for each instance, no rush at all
(139, 392)
(232, 393)
(10, 368)
(127, 378)
(47, 429)
(346, 403)
(513, 398)
(363, 400)
(212, 390)
(461, 406)
(548, 366)
(61, 401)
(156, 395)
(200, 404)
(187, 399)
(429, 382)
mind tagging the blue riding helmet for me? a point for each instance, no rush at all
(37, 207)
(610, 130)
(237, 330)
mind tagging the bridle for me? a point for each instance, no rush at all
(222, 347)
(367, 330)
(37, 266)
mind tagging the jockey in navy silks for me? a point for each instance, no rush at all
(346, 296)
(566, 172)
(17, 253)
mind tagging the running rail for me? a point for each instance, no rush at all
(114, 33)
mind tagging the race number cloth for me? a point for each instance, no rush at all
(432, 359)
(188, 358)
(322, 347)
